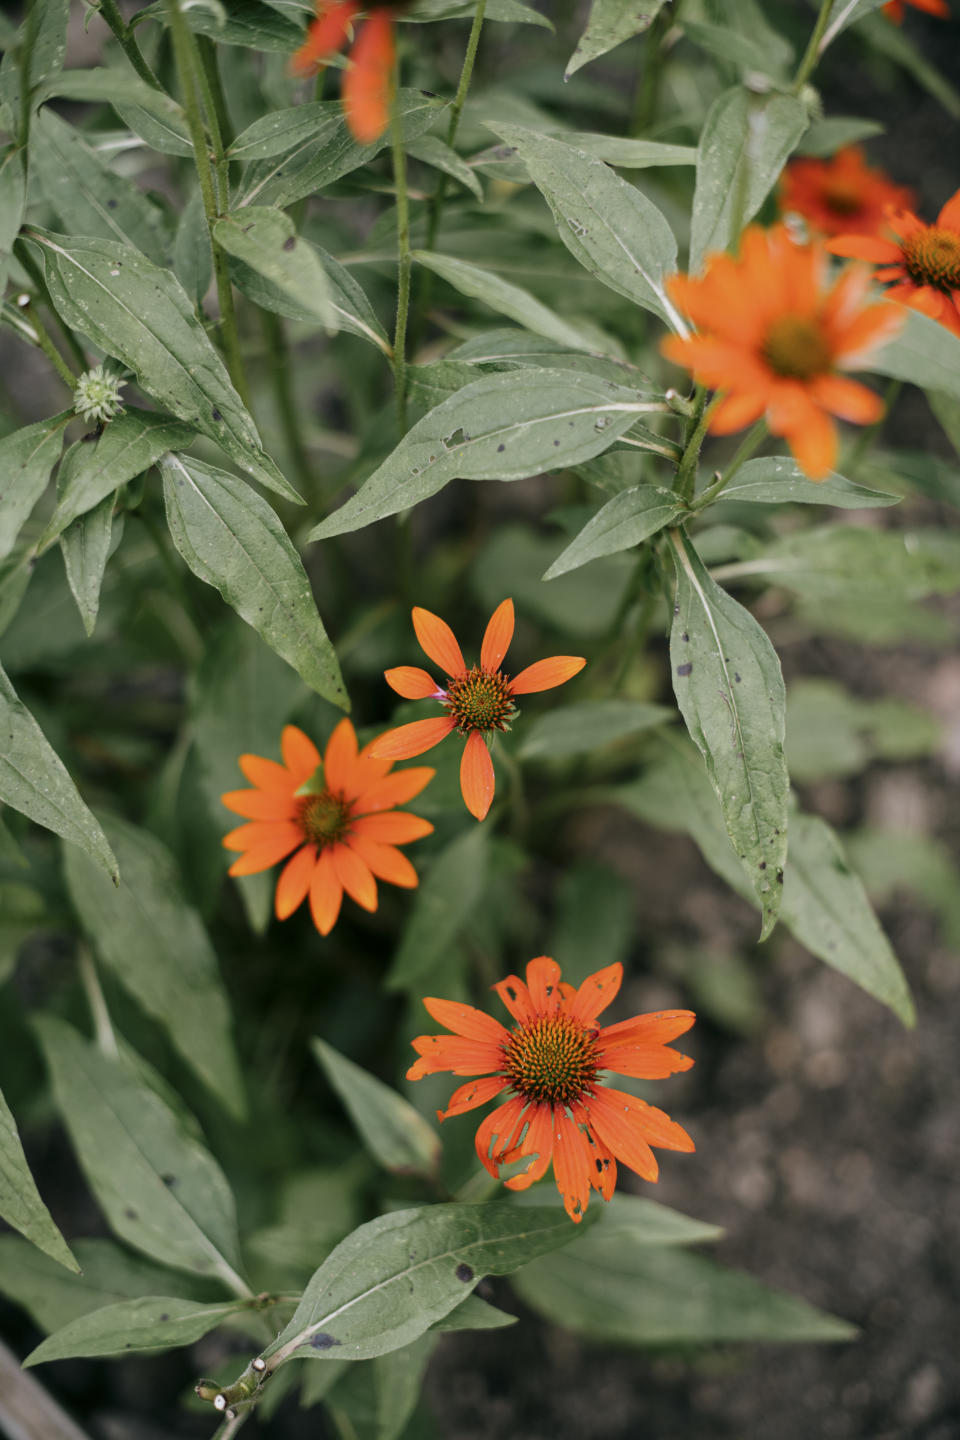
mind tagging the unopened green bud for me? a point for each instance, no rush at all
(96, 395)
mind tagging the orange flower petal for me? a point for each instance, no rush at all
(325, 36)
(392, 827)
(543, 983)
(260, 804)
(266, 855)
(612, 1124)
(368, 83)
(385, 862)
(438, 641)
(736, 411)
(653, 1029)
(412, 683)
(866, 247)
(265, 774)
(655, 1125)
(498, 1123)
(394, 789)
(546, 674)
(497, 636)
(644, 1062)
(462, 1057)
(261, 832)
(473, 1094)
(354, 876)
(406, 741)
(294, 882)
(847, 398)
(538, 1142)
(326, 894)
(300, 755)
(949, 217)
(476, 775)
(596, 993)
(465, 1020)
(339, 757)
(603, 1166)
(571, 1164)
(516, 997)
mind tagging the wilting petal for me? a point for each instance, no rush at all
(294, 882)
(477, 779)
(453, 1053)
(603, 1166)
(394, 790)
(571, 1164)
(596, 993)
(354, 876)
(546, 674)
(384, 861)
(392, 827)
(368, 83)
(498, 1123)
(497, 636)
(408, 740)
(438, 641)
(412, 683)
(537, 1142)
(300, 755)
(260, 804)
(465, 1020)
(515, 995)
(473, 1094)
(326, 894)
(543, 983)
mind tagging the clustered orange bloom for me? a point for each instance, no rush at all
(775, 334)
(369, 77)
(894, 8)
(840, 196)
(342, 824)
(922, 260)
(478, 701)
(551, 1059)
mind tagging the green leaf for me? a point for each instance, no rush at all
(727, 680)
(13, 199)
(90, 198)
(143, 1325)
(85, 545)
(594, 917)
(431, 150)
(138, 312)
(393, 1278)
(776, 479)
(39, 52)
(283, 130)
(494, 429)
(628, 154)
(505, 298)
(231, 538)
(841, 561)
(241, 22)
(130, 444)
(328, 151)
(636, 1294)
(373, 1400)
(827, 136)
(396, 1134)
(608, 225)
(579, 729)
(512, 12)
(443, 905)
(192, 255)
(116, 87)
(844, 13)
(349, 305)
(166, 133)
(744, 145)
(611, 22)
(833, 734)
(155, 944)
(891, 861)
(34, 781)
(27, 457)
(824, 903)
(20, 1202)
(585, 603)
(739, 32)
(474, 1314)
(623, 522)
(923, 352)
(891, 42)
(159, 1189)
(266, 241)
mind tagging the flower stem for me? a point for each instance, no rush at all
(110, 12)
(748, 445)
(456, 110)
(404, 266)
(278, 355)
(648, 87)
(864, 441)
(810, 56)
(46, 344)
(106, 1039)
(696, 430)
(190, 71)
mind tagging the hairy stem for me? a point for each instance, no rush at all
(46, 344)
(696, 430)
(278, 356)
(810, 56)
(110, 12)
(456, 110)
(35, 273)
(748, 445)
(404, 267)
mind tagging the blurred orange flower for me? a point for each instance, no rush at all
(478, 701)
(369, 77)
(894, 8)
(344, 830)
(922, 260)
(551, 1060)
(775, 335)
(843, 195)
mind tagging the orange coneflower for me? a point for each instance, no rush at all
(894, 8)
(775, 333)
(551, 1060)
(342, 824)
(923, 261)
(369, 78)
(478, 701)
(842, 196)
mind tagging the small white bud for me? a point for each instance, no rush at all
(96, 395)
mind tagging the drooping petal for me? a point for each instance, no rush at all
(354, 876)
(603, 1166)
(438, 641)
(538, 1142)
(294, 882)
(339, 757)
(412, 683)
(543, 983)
(452, 1052)
(497, 636)
(477, 779)
(265, 774)
(516, 997)
(260, 804)
(571, 1164)
(384, 861)
(490, 1131)
(406, 741)
(300, 755)
(391, 827)
(368, 83)
(596, 993)
(546, 674)
(325, 36)
(326, 894)
(393, 790)
(657, 1028)
(465, 1020)
(644, 1062)
(472, 1095)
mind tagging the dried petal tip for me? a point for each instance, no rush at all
(96, 395)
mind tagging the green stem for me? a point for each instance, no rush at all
(189, 70)
(748, 445)
(47, 346)
(110, 12)
(24, 57)
(808, 63)
(35, 273)
(686, 479)
(278, 356)
(106, 1039)
(519, 809)
(648, 89)
(864, 441)
(456, 110)
(404, 267)
(218, 120)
